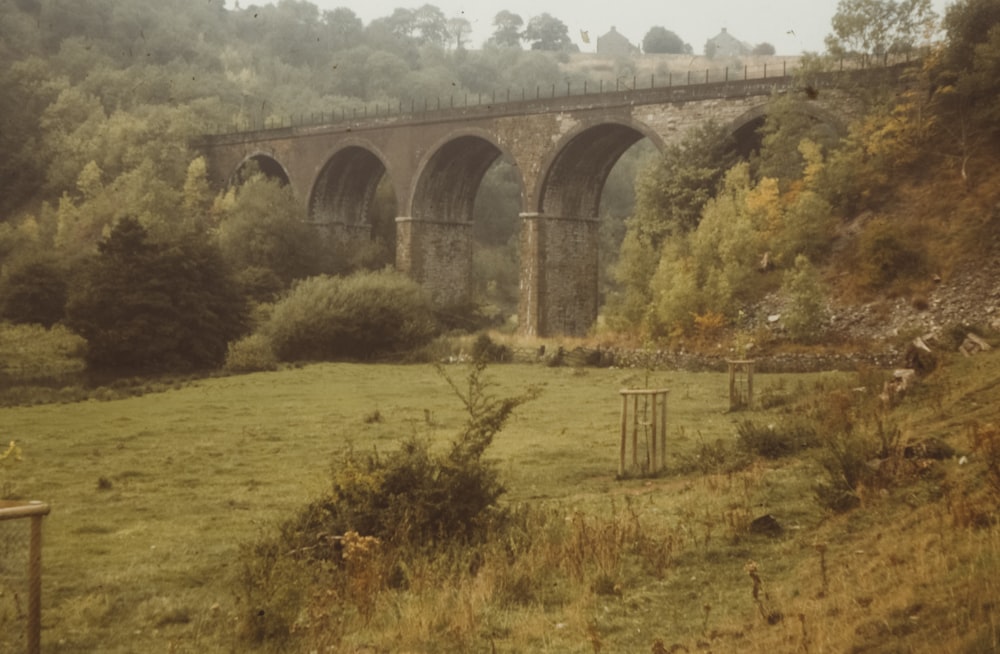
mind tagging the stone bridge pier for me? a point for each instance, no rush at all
(438, 255)
(559, 275)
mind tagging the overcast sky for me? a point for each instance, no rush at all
(791, 26)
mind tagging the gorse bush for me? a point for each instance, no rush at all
(357, 317)
(399, 505)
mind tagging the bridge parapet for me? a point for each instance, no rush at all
(711, 84)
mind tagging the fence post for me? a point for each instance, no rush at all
(36, 511)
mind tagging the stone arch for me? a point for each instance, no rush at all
(744, 127)
(343, 191)
(574, 175)
(447, 180)
(266, 164)
(434, 242)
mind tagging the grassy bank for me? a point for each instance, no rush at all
(153, 495)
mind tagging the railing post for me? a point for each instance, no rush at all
(35, 511)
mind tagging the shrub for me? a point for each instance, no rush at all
(252, 353)
(401, 505)
(485, 349)
(888, 253)
(861, 449)
(804, 314)
(356, 317)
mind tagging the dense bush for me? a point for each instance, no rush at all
(146, 306)
(33, 290)
(357, 317)
(252, 353)
(889, 253)
(485, 348)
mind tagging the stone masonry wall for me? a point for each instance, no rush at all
(437, 255)
(560, 267)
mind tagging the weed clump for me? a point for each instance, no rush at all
(776, 439)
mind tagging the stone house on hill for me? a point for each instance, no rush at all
(614, 44)
(726, 45)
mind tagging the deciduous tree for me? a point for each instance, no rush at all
(660, 40)
(879, 27)
(546, 32)
(507, 32)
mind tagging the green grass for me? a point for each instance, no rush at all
(152, 496)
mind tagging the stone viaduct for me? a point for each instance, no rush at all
(562, 145)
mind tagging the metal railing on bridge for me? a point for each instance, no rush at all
(670, 87)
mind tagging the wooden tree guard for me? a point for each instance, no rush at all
(36, 511)
(652, 416)
(740, 384)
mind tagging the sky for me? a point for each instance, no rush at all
(791, 26)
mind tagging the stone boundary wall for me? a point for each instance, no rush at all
(691, 362)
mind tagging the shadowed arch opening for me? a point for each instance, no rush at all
(577, 175)
(352, 193)
(448, 184)
(263, 164)
(345, 188)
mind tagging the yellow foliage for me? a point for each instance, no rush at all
(763, 203)
(812, 153)
(709, 323)
(13, 453)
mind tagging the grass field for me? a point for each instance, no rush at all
(152, 497)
